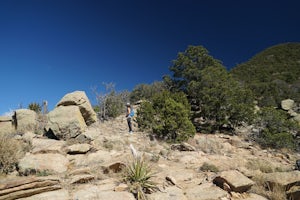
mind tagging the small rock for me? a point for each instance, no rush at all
(82, 178)
(121, 187)
(78, 148)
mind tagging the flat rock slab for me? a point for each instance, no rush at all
(235, 180)
(40, 145)
(57, 195)
(25, 187)
(51, 162)
(83, 178)
(205, 191)
(78, 148)
(93, 192)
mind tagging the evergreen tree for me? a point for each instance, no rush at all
(217, 97)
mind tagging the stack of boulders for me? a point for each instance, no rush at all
(70, 117)
(291, 107)
(67, 121)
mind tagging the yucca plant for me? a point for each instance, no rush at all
(138, 175)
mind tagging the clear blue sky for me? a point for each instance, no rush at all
(52, 47)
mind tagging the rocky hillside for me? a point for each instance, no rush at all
(206, 167)
(81, 158)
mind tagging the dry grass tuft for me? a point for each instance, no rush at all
(11, 150)
(263, 166)
(208, 167)
(263, 188)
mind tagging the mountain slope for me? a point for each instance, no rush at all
(273, 74)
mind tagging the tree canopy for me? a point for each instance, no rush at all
(219, 99)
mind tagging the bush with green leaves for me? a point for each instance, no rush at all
(36, 107)
(206, 167)
(146, 91)
(145, 116)
(168, 116)
(138, 175)
(276, 129)
(223, 102)
(214, 95)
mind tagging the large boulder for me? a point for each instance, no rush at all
(26, 120)
(65, 122)
(287, 104)
(6, 125)
(79, 98)
(233, 180)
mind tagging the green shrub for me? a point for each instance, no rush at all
(168, 116)
(277, 140)
(208, 167)
(276, 129)
(145, 115)
(138, 175)
(146, 91)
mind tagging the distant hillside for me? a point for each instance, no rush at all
(273, 74)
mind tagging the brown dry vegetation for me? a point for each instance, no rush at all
(10, 151)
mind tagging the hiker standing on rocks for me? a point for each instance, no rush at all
(129, 115)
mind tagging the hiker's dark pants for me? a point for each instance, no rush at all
(129, 123)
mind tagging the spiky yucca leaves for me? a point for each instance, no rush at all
(138, 175)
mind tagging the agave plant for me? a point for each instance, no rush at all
(138, 175)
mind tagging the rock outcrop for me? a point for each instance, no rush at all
(21, 121)
(26, 120)
(207, 167)
(291, 108)
(70, 118)
(25, 187)
(233, 181)
(6, 125)
(79, 98)
(65, 122)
